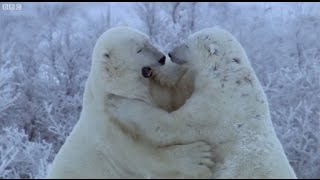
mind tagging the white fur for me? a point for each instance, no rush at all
(242, 130)
(101, 147)
(228, 108)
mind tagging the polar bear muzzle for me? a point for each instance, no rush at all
(175, 59)
(146, 72)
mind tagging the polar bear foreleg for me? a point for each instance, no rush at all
(172, 160)
(151, 123)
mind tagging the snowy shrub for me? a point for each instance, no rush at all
(21, 158)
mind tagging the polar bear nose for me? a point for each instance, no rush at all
(162, 61)
(170, 55)
(146, 72)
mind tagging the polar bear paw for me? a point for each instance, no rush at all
(193, 160)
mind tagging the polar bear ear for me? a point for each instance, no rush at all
(213, 49)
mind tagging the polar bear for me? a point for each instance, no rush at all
(228, 108)
(99, 146)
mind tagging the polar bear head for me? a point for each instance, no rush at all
(209, 49)
(122, 59)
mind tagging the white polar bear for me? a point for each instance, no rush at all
(228, 108)
(99, 146)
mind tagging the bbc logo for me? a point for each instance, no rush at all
(12, 7)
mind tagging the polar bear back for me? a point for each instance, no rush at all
(257, 148)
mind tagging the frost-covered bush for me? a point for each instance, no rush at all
(42, 77)
(7, 95)
(294, 99)
(21, 158)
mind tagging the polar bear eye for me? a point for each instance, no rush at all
(106, 55)
(139, 51)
